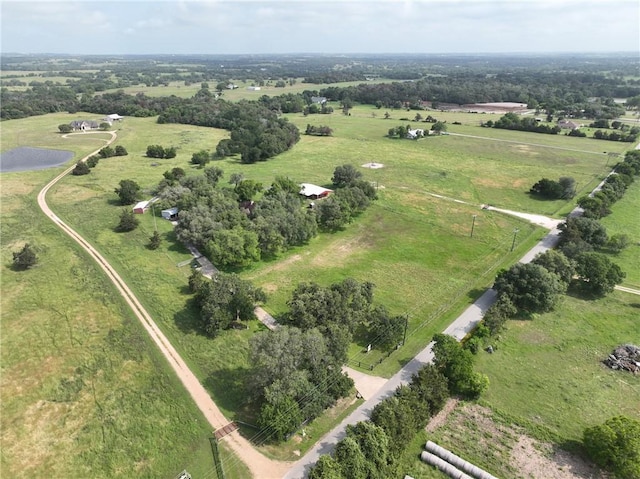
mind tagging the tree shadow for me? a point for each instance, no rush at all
(475, 293)
(116, 202)
(576, 290)
(228, 388)
(187, 318)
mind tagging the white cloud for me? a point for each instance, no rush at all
(329, 26)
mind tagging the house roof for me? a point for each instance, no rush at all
(141, 204)
(307, 189)
(115, 116)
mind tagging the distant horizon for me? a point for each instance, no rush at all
(332, 54)
(346, 27)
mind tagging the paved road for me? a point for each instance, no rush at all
(259, 465)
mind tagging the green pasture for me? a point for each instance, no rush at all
(415, 247)
(547, 375)
(85, 392)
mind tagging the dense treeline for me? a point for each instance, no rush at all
(614, 187)
(257, 133)
(373, 449)
(511, 121)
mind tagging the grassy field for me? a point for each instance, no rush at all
(415, 247)
(84, 390)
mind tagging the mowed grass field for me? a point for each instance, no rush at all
(415, 247)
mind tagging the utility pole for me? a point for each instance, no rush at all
(515, 232)
(473, 224)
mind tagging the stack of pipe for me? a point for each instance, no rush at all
(452, 465)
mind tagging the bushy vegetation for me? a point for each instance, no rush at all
(615, 445)
(564, 188)
(25, 258)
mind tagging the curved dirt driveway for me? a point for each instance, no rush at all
(259, 465)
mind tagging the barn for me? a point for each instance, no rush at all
(141, 207)
(314, 192)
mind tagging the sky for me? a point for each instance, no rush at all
(312, 26)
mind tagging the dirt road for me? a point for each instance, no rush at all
(259, 465)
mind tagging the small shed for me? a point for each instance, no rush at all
(140, 207)
(170, 214)
(314, 192)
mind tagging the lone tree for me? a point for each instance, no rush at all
(128, 221)
(615, 445)
(25, 258)
(155, 240)
(128, 192)
(65, 128)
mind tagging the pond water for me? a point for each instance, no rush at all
(26, 158)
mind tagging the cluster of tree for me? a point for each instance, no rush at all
(564, 188)
(314, 109)
(629, 137)
(296, 374)
(232, 233)
(536, 287)
(318, 130)
(223, 300)
(373, 449)
(211, 217)
(84, 167)
(402, 131)
(614, 187)
(157, 151)
(512, 121)
(25, 258)
(351, 198)
(615, 445)
(341, 309)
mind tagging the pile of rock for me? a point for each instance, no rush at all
(625, 357)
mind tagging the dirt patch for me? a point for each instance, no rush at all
(533, 458)
(525, 149)
(470, 431)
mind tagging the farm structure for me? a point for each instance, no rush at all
(314, 192)
(113, 117)
(140, 207)
(170, 214)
